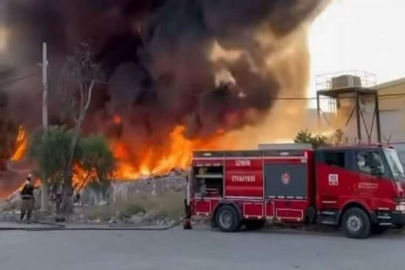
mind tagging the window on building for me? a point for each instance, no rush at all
(336, 159)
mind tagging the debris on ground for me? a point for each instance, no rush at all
(157, 199)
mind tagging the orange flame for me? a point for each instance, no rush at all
(154, 159)
(158, 160)
(80, 177)
(117, 119)
(176, 154)
(21, 144)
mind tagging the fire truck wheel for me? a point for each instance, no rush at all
(356, 223)
(253, 225)
(227, 219)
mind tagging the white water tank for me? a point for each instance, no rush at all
(345, 81)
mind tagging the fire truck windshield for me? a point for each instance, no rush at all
(395, 164)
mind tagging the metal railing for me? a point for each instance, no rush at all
(324, 81)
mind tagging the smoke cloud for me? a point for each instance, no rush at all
(207, 65)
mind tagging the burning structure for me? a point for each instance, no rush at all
(179, 74)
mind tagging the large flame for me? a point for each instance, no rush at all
(158, 160)
(175, 154)
(21, 144)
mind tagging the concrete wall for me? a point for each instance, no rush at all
(392, 110)
(392, 88)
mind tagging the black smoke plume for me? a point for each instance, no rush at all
(155, 56)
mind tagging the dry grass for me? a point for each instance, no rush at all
(169, 205)
(104, 213)
(2, 204)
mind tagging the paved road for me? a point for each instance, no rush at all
(198, 249)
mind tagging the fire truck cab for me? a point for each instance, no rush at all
(360, 188)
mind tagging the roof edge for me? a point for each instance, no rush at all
(390, 84)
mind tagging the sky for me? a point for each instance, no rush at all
(362, 35)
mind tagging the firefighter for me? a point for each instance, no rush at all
(27, 199)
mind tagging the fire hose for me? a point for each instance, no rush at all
(61, 227)
(51, 226)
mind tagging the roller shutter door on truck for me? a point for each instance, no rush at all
(286, 180)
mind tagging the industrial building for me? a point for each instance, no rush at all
(365, 111)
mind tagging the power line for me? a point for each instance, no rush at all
(325, 98)
(295, 98)
(14, 80)
(11, 81)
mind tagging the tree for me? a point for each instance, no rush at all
(50, 149)
(75, 87)
(304, 136)
(339, 137)
(98, 162)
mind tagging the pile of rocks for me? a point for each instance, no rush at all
(154, 185)
(139, 219)
(119, 191)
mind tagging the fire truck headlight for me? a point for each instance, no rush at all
(401, 208)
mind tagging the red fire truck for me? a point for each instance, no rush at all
(360, 188)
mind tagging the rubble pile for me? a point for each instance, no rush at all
(121, 204)
(154, 185)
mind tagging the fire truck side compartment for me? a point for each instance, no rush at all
(286, 180)
(244, 177)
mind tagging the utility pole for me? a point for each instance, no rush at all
(44, 184)
(45, 86)
(358, 112)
